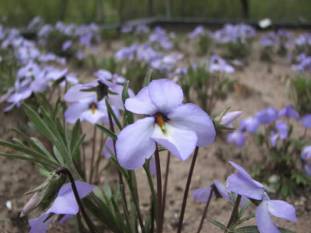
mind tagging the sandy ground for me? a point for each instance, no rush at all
(257, 88)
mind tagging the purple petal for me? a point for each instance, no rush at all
(192, 117)
(289, 112)
(242, 183)
(39, 225)
(306, 121)
(306, 153)
(165, 94)
(179, 142)
(201, 195)
(237, 138)
(282, 129)
(74, 111)
(221, 189)
(282, 209)
(65, 202)
(263, 219)
(141, 103)
(250, 124)
(134, 144)
(267, 116)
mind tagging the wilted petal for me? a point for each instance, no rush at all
(192, 117)
(282, 209)
(65, 202)
(179, 142)
(263, 219)
(165, 94)
(141, 103)
(134, 144)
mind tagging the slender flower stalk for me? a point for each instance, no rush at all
(205, 209)
(234, 213)
(184, 203)
(159, 191)
(66, 172)
(168, 160)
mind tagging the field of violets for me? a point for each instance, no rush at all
(150, 130)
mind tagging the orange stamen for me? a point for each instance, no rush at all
(93, 107)
(159, 119)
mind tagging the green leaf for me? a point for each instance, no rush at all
(106, 131)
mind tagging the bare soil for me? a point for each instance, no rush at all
(258, 86)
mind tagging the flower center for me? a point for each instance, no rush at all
(160, 120)
(93, 107)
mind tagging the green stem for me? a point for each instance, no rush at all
(184, 203)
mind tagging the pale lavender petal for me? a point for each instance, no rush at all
(263, 219)
(221, 189)
(134, 144)
(97, 115)
(179, 142)
(282, 209)
(242, 183)
(141, 103)
(201, 195)
(165, 94)
(74, 111)
(192, 117)
(65, 202)
(229, 117)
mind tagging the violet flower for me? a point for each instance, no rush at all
(277, 208)
(64, 204)
(176, 126)
(306, 159)
(281, 133)
(306, 121)
(249, 124)
(236, 137)
(267, 115)
(243, 184)
(219, 65)
(197, 32)
(289, 112)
